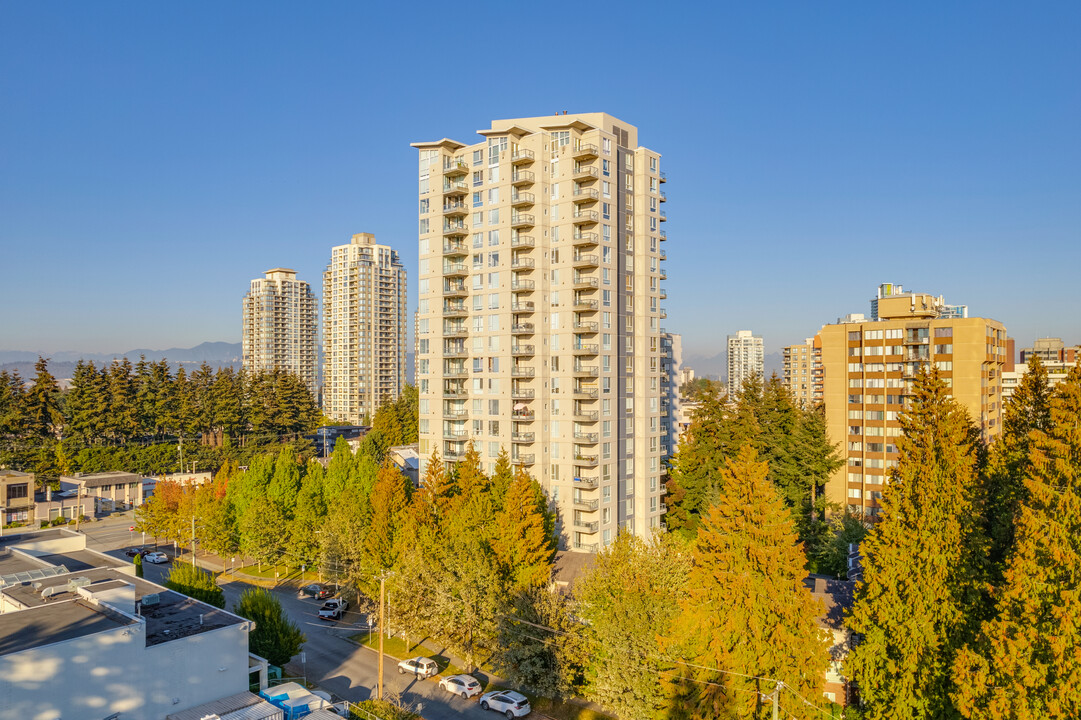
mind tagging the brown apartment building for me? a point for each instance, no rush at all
(868, 368)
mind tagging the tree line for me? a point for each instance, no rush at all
(970, 601)
(132, 417)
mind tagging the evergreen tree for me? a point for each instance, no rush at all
(522, 547)
(745, 611)
(501, 479)
(1028, 410)
(308, 516)
(123, 408)
(627, 600)
(275, 637)
(390, 498)
(920, 600)
(42, 416)
(86, 403)
(285, 483)
(338, 470)
(12, 404)
(1027, 659)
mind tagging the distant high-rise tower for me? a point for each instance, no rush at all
(280, 326)
(745, 359)
(364, 329)
(539, 314)
(803, 371)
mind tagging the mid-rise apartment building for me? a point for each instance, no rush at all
(538, 325)
(364, 329)
(803, 371)
(1056, 358)
(746, 359)
(868, 370)
(280, 326)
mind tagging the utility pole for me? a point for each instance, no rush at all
(382, 588)
(193, 542)
(776, 697)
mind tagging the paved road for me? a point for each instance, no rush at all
(333, 662)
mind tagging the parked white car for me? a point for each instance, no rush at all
(464, 685)
(156, 557)
(422, 667)
(508, 702)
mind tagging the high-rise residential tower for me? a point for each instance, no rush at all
(746, 359)
(280, 326)
(868, 369)
(539, 314)
(364, 329)
(803, 371)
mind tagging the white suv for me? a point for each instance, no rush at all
(422, 667)
(508, 702)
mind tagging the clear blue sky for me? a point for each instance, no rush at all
(155, 157)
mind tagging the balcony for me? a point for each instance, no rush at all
(522, 329)
(522, 415)
(455, 352)
(586, 460)
(585, 482)
(663, 176)
(521, 156)
(589, 416)
(664, 235)
(457, 229)
(522, 263)
(521, 199)
(522, 285)
(455, 209)
(582, 304)
(585, 547)
(455, 291)
(521, 350)
(518, 437)
(663, 255)
(522, 372)
(584, 393)
(521, 307)
(663, 295)
(454, 455)
(522, 241)
(585, 283)
(455, 269)
(664, 197)
(584, 195)
(521, 220)
(585, 239)
(453, 412)
(457, 188)
(522, 393)
(585, 327)
(455, 433)
(664, 274)
(456, 331)
(590, 527)
(526, 459)
(455, 392)
(587, 438)
(585, 261)
(585, 217)
(455, 372)
(585, 348)
(587, 371)
(585, 173)
(662, 214)
(585, 151)
(455, 247)
(455, 311)
(455, 167)
(522, 177)
(586, 505)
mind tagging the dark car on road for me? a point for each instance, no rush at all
(136, 552)
(315, 590)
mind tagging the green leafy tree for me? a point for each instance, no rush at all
(275, 637)
(523, 547)
(920, 601)
(196, 583)
(832, 557)
(627, 600)
(262, 529)
(309, 517)
(285, 483)
(745, 613)
(390, 498)
(1026, 659)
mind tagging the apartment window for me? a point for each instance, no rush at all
(478, 178)
(493, 237)
(605, 167)
(606, 188)
(606, 145)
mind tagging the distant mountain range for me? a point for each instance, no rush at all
(62, 364)
(716, 366)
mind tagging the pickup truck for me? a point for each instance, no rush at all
(333, 608)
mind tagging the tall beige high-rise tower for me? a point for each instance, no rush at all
(364, 329)
(539, 313)
(280, 326)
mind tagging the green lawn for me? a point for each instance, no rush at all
(284, 574)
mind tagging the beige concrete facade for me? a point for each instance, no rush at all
(16, 497)
(364, 329)
(868, 368)
(803, 371)
(280, 326)
(538, 326)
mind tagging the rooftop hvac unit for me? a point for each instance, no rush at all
(151, 600)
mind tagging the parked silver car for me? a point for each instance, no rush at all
(508, 702)
(463, 685)
(422, 667)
